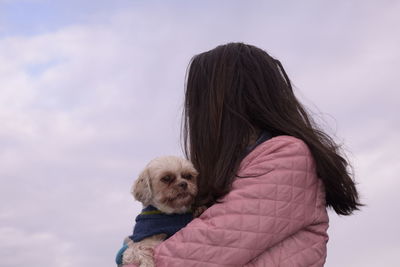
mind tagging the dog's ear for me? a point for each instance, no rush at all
(141, 189)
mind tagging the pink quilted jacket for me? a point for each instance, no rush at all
(277, 217)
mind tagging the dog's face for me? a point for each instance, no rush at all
(168, 183)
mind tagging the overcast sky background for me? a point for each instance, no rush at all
(90, 91)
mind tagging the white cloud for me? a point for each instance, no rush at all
(21, 248)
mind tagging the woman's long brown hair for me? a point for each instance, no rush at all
(232, 92)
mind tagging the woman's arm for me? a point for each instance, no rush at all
(279, 200)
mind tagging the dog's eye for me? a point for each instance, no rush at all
(166, 179)
(187, 176)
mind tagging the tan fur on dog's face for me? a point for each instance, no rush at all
(168, 183)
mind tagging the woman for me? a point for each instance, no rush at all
(267, 172)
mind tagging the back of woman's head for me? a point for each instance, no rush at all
(232, 92)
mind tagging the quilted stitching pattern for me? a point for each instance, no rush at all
(276, 217)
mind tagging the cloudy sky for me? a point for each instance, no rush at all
(90, 91)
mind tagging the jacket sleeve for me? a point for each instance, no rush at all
(276, 200)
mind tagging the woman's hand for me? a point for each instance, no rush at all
(198, 211)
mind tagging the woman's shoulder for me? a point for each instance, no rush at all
(282, 147)
(282, 141)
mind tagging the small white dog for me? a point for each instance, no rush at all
(167, 188)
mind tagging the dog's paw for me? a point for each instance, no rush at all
(147, 264)
(130, 255)
(139, 253)
(146, 256)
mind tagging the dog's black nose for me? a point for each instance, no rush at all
(183, 185)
